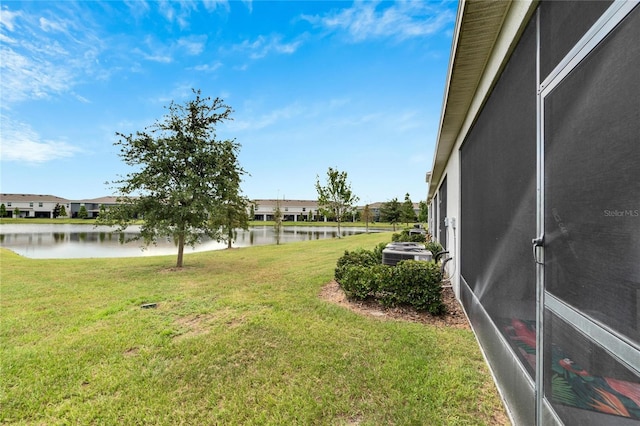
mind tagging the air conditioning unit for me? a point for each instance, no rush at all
(405, 245)
(392, 255)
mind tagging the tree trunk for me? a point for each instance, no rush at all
(180, 250)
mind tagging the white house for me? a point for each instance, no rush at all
(32, 205)
(42, 206)
(535, 192)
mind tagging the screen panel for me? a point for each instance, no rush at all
(562, 25)
(585, 383)
(592, 183)
(498, 200)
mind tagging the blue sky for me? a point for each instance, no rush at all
(313, 84)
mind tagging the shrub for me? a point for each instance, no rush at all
(377, 252)
(360, 282)
(418, 284)
(359, 257)
(405, 237)
(434, 247)
(361, 275)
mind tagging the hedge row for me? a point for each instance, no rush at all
(419, 284)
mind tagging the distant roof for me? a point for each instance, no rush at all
(103, 200)
(32, 197)
(53, 198)
(300, 203)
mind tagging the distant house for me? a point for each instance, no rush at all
(32, 205)
(535, 193)
(291, 210)
(42, 206)
(92, 206)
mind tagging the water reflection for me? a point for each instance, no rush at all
(49, 241)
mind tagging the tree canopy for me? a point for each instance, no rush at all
(366, 216)
(336, 198)
(186, 181)
(407, 214)
(390, 212)
(423, 215)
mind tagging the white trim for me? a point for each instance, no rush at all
(539, 395)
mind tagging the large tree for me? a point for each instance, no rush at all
(186, 181)
(390, 212)
(336, 198)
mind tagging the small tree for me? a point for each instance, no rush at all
(367, 216)
(231, 215)
(63, 211)
(3, 210)
(56, 211)
(82, 213)
(407, 214)
(277, 221)
(183, 176)
(16, 212)
(390, 212)
(423, 215)
(336, 198)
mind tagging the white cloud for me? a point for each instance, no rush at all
(7, 18)
(158, 57)
(177, 12)
(267, 119)
(401, 20)
(20, 143)
(31, 77)
(45, 56)
(137, 8)
(193, 45)
(215, 4)
(47, 25)
(165, 53)
(180, 91)
(263, 46)
(208, 67)
(81, 98)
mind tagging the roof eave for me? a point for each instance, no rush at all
(478, 30)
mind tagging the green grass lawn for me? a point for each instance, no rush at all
(238, 337)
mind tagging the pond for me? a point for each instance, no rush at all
(51, 241)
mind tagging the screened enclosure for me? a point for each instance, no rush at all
(549, 208)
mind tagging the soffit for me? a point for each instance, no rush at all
(477, 28)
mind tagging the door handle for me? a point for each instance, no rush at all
(537, 242)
